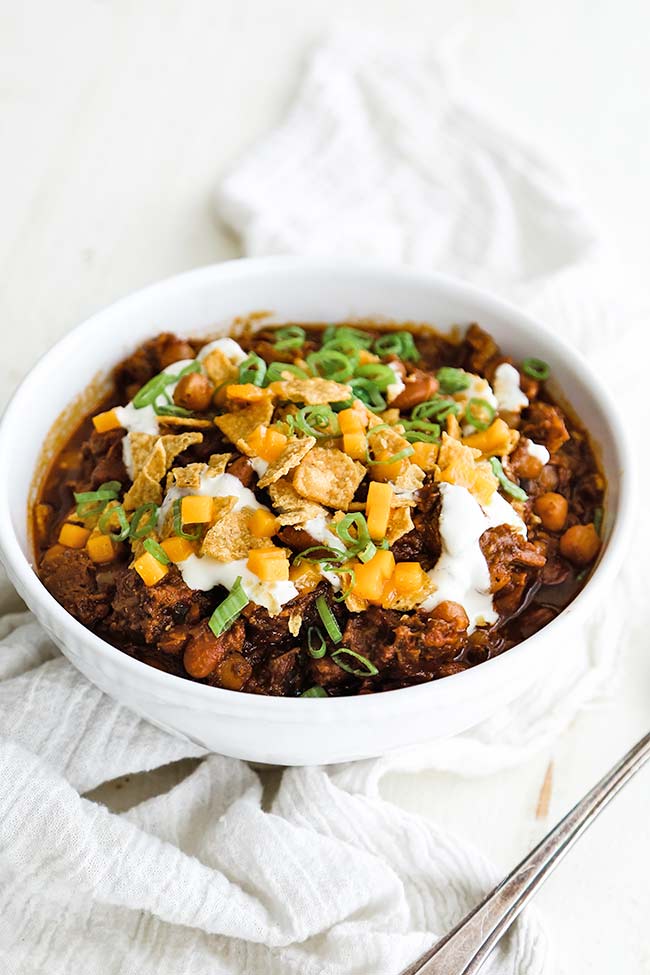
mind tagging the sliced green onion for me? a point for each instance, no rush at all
(315, 692)
(158, 552)
(438, 407)
(329, 620)
(275, 371)
(171, 410)
(421, 431)
(290, 337)
(453, 380)
(369, 669)
(598, 520)
(342, 528)
(368, 393)
(508, 486)
(316, 643)
(400, 455)
(91, 503)
(333, 365)
(330, 557)
(151, 511)
(368, 552)
(346, 337)
(343, 595)
(252, 370)
(178, 523)
(397, 343)
(479, 413)
(536, 368)
(194, 366)
(380, 375)
(104, 523)
(317, 421)
(227, 612)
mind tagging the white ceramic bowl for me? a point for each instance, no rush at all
(280, 730)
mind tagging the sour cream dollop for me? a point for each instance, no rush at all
(509, 394)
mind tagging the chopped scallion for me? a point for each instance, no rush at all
(150, 510)
(227, 612)
(508, 486)
(178, 523)
(536, 368)
(329, 620)
(453, 380)
(479, 413)
(315, 692)
(369, 669)
(108, 516)
(289, 337)
(316, 643)
(252, 370)
(158, 552)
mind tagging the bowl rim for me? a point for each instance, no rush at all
(461, 685)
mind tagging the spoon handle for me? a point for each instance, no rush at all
(464, 950)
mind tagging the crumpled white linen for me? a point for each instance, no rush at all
(380, 155)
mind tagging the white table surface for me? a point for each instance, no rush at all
(117, 119)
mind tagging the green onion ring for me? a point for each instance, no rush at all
(355, 337)
(315, 692)
(473, 411)
(314, 633)
(368, 393)
(105, 519)
(139, 531)
(158, 552)
(453, 380)
(400, 344)
(421, 431)
(317, 421)
(227, 612)
(252, 370)
(508, 486)
(438, 407)
(400, 455)
(380, 375)
(329, 620)
(330, 364)
(276, 369)
(370, 669)
(178, 523)
(171, 410)
(289, 337)
(536, 368)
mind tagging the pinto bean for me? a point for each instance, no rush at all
(553, 509)
(580, 544)
(194, 392)
(205, 651)
(451, 612)
(234, 671)
(174, 350)
(418, 387)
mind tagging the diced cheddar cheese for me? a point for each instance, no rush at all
(408, 577)
(305, 577)
(352, 421)
(150, 569)
(73, 536)
(263, 524)
(269, 564)
(106, 421)
(493, 442)
(371, 577)
(247, 392)
(387, 472)
(425, 455)
(196, 509)
(100, 548)
(355, 445)
(177, 549)
(267, 443)
(380, 498)
(366, 357)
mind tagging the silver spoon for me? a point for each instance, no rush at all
(464, 950)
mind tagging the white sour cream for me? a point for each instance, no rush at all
(479, 388)
(510, 396)
(461, 574)
(538, 450)
(259, 465)
(205, 573)
(394, 389)
(231, 349)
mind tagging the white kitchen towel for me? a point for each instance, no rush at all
(379, 156)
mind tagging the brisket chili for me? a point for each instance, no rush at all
(336, 636)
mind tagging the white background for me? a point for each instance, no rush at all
(116, 121)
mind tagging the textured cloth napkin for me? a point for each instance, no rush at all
(384, 155)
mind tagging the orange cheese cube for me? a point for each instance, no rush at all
(366, 357)
(269, 564)
(425, 455)
(248, 392)
(263, 524)
(106, 421)
(178, 549)
(352, 421)
(304, 576)
(370, 579)
(380, 498)
(150, 569)
(73, 536)
(386, 472)
(196, 509)
(408, 577)
(100, 548)
(267, 443)
(355, 445)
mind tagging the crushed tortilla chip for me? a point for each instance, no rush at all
(230, 537)
(460, 465)
(399, 523)
(240, 425)
(329, 477)
(409, 600)
(387, 442)
(313, 392)
(188, 477)
(292, 508)
(411, 478)
(217, 464)
(295, 622)
(140, 446)
(219, 368)
(291, 456)
(187, 422)
(175, 444)
(356, 604)
(143, 490)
